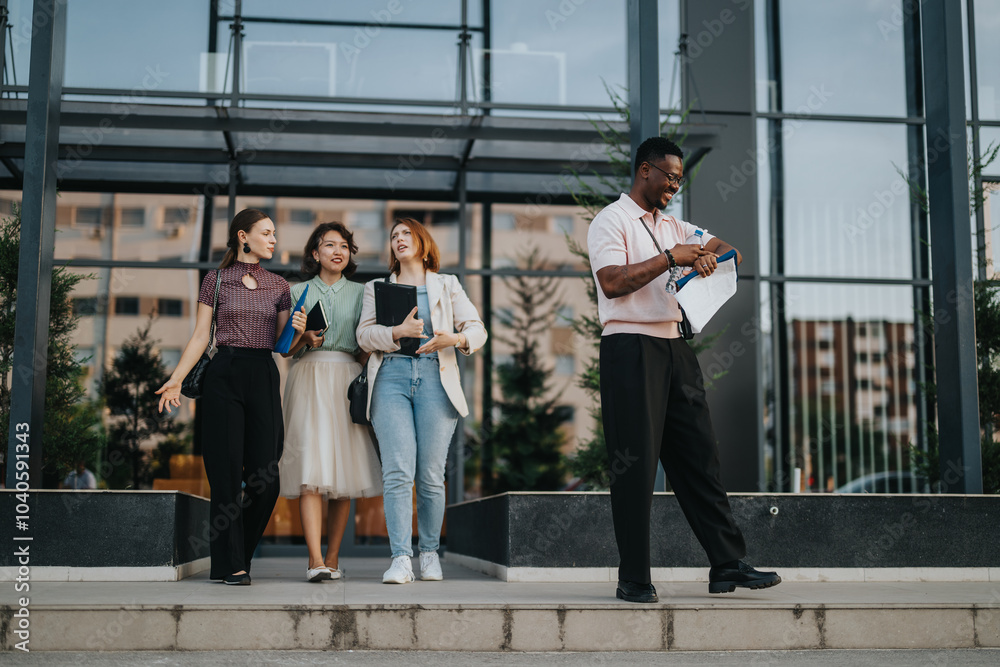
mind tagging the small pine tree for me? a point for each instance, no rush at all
(127, 388)
(986, 306)
(527, 439)
(72, 429)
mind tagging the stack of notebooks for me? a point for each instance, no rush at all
(392, 304)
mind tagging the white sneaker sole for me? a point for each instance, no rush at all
(402, 580)
(431, 577)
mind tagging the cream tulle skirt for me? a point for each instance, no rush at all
(325, 452)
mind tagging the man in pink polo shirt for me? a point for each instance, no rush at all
(652, 390)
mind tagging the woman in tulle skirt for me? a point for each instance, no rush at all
(327, 456)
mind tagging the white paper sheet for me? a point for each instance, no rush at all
(702, 297)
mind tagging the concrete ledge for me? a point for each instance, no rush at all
(106, 535)
(163, 573)
(834, 537)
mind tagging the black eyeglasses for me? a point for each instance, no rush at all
(673, 178)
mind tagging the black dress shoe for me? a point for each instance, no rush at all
(633, 592)
(726, 579)
(237, 579)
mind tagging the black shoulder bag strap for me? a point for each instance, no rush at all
(215, 302)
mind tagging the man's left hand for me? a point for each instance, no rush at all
(706, 265)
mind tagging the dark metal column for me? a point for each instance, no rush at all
(487, 64)
(38, 229)
(784, 447)
(456, 464)
(237, 27)
(951, 248)
(486, 430)
(643, 95)
(643, 72)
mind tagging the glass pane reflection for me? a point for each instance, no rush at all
(325, 61)
(164, 45)
(987, 55)
(843, 57)
(852, 381)
(846, 213)
(552, 52)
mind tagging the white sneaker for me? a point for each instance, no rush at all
(430, 566)
(317, 574)
(400, 572)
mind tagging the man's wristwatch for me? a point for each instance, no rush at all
(670, 258)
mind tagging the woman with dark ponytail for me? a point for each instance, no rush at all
(242, 432)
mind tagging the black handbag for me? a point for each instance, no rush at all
(194, 381)
(357, 394)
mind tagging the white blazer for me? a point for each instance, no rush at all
(451, 311)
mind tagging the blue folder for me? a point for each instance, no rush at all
(284, 343)
(694, 274)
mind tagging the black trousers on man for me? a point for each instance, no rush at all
(242, 438)
(654, 409)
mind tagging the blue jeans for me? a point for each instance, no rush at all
(414, 420)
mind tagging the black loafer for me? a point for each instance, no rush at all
(237, 579)
(633, 592)
(725, 580)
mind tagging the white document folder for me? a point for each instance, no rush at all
(701, 297)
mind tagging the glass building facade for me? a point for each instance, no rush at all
(474, 116)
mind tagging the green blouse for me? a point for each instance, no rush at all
(342, 303)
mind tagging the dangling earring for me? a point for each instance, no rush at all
(246, 248)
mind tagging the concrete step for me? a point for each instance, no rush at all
(471, 612)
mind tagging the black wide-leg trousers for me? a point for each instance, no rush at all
(654, 409)
(242, 438)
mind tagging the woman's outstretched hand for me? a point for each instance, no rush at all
(170, 394)
(441, 340)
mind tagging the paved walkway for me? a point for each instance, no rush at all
(279, 582)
